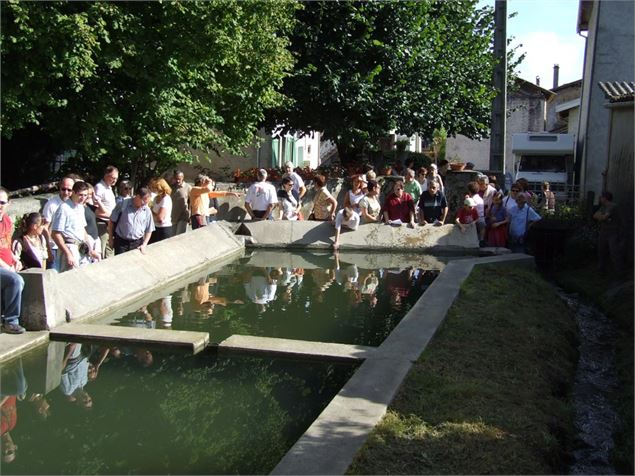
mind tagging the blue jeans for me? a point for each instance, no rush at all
(12, 285)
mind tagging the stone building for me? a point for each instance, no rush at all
(526, 112)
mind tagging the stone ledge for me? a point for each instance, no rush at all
(294, 348)
(166, 339)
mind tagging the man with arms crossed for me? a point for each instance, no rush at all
(104, 199)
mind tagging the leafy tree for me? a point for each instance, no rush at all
(139, 84)
(365, 68)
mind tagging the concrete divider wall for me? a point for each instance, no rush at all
(310, 234)
(103, 287)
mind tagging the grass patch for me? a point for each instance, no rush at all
(489, 394)
(616, 301)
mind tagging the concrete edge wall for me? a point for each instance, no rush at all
(334, 438)
(371, 236)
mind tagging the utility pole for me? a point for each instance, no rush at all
(499, 104)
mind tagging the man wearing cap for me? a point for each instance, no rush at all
(298, 183)
(261, 198)
(467, 214)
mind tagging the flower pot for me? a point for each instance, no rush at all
(457, 166)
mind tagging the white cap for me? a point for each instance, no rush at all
(470, 201)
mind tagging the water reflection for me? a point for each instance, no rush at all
(82, 409)
(331, 298)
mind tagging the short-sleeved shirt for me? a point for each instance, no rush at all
(260, 195)
(297, 181)
(6, 232)
(70, 221)
(519, 218)
(372, 206)
(354, 199)
(106, 195)
(132, 222)
(399, 208)
(480, 207)
(413, 188)
(432, 206)
(289, 203)
(352, 222)
(199, 200)
(166, 203)
(50, 207)
(322, 208)
(180, 199)
(467, 216)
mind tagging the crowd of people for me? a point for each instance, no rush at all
(83, 224)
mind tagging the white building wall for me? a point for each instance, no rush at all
(609, 56)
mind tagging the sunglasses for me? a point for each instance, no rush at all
(66, 189)
(514, 190)
(2, 202)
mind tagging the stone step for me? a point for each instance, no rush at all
(294, 348)
(166, 339)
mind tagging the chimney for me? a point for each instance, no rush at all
(537, 80)
(556, 73)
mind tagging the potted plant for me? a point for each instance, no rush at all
(456, 164)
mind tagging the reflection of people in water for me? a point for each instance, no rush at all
(261, 286)
(75, 376)
(398, 283)
(368, 282)
(322, 279)
(290, 280)
(12, 386)
(205, 302)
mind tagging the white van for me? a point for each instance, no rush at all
(543, 156)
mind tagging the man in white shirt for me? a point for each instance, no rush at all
(298, 183)
(261, 198)
(69, 230)
(65, 190)
(104, 199)
(348, 218)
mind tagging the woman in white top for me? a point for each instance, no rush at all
(161, 210)
(369, 205)
(355, 194)
(287, 201)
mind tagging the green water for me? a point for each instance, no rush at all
(180, 415)
(294, 296)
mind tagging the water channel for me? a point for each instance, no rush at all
(74, 408)
(343, 298)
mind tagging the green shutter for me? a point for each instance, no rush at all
(275, 160)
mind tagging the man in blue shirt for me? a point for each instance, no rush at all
(522, 217)
(131, 223)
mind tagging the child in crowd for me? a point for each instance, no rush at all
(467, 215)
(497, 220)
(31, 247)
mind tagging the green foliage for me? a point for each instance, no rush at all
(366, 68)
(138, 84)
